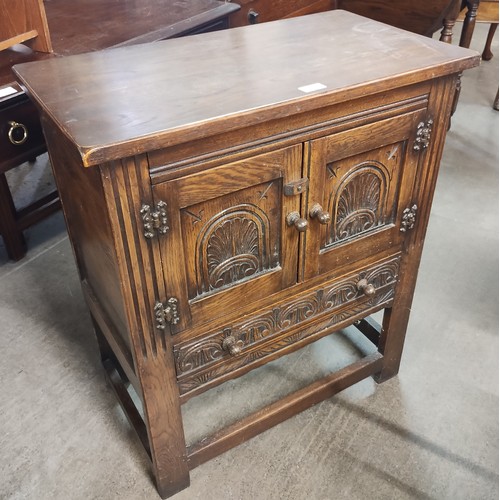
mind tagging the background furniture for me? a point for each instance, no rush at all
(214, 235)
(485, 12)
(424, 18)
(60, 29)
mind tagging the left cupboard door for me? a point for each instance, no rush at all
(228, 243)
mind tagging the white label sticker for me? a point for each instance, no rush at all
(312, 87)
(7, 91)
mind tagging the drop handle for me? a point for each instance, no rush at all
(231, 345)
(366, 288)
(317, 212)
(294, 219)
(253, 17)
(18, 133)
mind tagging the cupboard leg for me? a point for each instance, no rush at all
(395, 321)
(164, 424)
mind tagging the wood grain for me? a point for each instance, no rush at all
(97, 88)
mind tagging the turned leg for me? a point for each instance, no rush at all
(447, 32)
(469, 23)
(12, 235)
(487, 54)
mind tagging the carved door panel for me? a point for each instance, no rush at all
(228, 242)
(360, 183)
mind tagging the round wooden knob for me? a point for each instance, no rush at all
(367, 288)
(317, 212)
(18, 133)
(294, 219)
(231, 345)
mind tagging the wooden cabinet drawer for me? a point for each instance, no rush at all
(204, 362)
(23, 141)
(258, 11)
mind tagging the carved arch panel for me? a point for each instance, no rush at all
(232, 246)
(359, 202)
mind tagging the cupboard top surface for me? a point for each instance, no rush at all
(125, 101)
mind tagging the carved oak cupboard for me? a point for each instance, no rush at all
(224, 211)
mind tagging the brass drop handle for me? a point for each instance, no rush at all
(317, 212)
(367, 288)
(18, 133)
(294, 219)
(231, 345)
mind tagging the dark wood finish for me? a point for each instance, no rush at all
(101, 25)
(424, 18)
(259, 11)
(283, 409)
(182, 197)
(487, 54)
(469, 22)
(370, 329)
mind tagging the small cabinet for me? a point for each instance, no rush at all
(361, 182)
(190, 205)
(228, 240)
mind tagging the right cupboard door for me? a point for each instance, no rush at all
(361, 182)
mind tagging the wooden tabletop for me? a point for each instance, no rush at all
(158, 94)
(79, 26)
(90, 25)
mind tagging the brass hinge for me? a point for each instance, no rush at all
(154, 219)
(408, 219)
(166, 313)
(296, 187)
(424, 131)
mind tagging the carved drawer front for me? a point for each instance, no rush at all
(233, 346)
(361, 183)
(228, 242)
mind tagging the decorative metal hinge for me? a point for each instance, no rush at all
(166, 313)
(296, 187)
(409, 217)
(154, 219)
(424, 130)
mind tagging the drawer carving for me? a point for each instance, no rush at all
(342, 298)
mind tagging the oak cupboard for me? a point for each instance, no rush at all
(224, 211)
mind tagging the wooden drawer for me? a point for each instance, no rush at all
(203, 362)
(258, 11)
(24, 113)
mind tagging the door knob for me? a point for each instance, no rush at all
(231, 345)
(317, 212)
(294, 219)
(367, 288)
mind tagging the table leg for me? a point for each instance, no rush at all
(469, 23)
(12, 235)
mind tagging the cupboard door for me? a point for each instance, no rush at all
(361, 181)
(228, 243)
